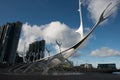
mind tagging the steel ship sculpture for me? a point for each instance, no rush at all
(54, 60)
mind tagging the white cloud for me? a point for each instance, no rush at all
(58, 31)
(105, 52)
(96, 7)
(50, 32)
(29, 34)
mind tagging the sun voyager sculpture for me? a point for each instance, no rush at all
(51, 61)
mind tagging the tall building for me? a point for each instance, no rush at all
(3, 30)
(9, 37)
(36, 50)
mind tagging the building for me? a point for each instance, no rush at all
(9, 37)
(36, 50)
(18, 59)
(106, 66)
(86, 65)
(3, 30)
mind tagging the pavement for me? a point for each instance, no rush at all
(68, 76)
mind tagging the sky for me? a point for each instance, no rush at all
(59, 19)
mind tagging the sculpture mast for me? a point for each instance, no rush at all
(80, 30)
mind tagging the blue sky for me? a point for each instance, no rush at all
(42, 12)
